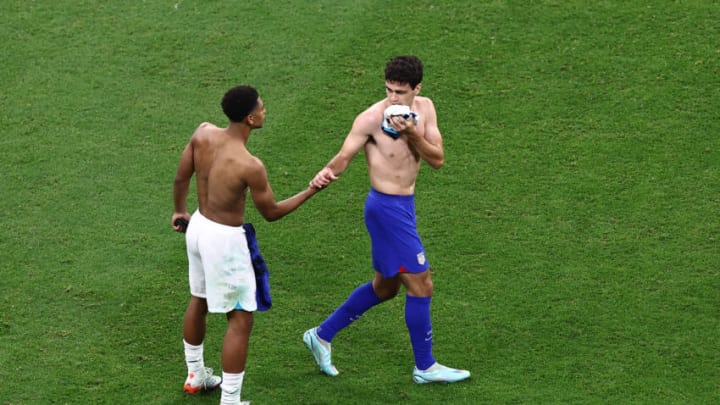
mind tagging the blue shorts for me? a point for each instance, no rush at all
(396, 245)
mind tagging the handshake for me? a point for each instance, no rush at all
(323, 178)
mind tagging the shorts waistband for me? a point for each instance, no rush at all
(198, 215)
(375, 193)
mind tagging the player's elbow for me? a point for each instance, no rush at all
(272, 215)
(272, 218)
(437, 163)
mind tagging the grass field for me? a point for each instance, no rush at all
(573, 231)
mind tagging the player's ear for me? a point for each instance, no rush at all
(417, 88)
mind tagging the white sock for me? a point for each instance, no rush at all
(194, 357)
(231, 387)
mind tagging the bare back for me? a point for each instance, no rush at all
(221, 162)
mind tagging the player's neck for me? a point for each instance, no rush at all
(239, 130)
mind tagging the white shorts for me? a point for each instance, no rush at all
(220, 267)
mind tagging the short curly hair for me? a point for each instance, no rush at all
(239, 102)
(404, 69)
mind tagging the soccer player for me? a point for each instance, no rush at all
(395, 142)
(221, 275)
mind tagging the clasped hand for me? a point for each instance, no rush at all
(403, 125)
(323, 178)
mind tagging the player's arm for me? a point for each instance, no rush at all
(429, 147)
(264, 198)
(354, 141)
(181, 185)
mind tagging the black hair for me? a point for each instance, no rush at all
(404, 69)
(239, 102)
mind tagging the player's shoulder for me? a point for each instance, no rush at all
(252, 163)
(252, 169)
(205, 127)
(235, 159)
(372, 115)
(424, 107)
(204, 131)
(255, 161)
(424, 102)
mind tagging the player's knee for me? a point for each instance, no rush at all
(386, 293)
(240, 321)
(426, 288)
(422, 288)
(429, 287)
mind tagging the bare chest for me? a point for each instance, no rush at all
(384, 149)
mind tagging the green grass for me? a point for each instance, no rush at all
(573, 231)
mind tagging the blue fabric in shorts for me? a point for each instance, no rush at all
(396, 245)
(262, 274)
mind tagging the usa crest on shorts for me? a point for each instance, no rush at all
(421, 258)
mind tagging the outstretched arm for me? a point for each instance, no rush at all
(264, 198)
(354, 141)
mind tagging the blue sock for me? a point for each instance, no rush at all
(362, 299)
(417, 319)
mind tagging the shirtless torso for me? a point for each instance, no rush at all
(393, 164)
(225, 170)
